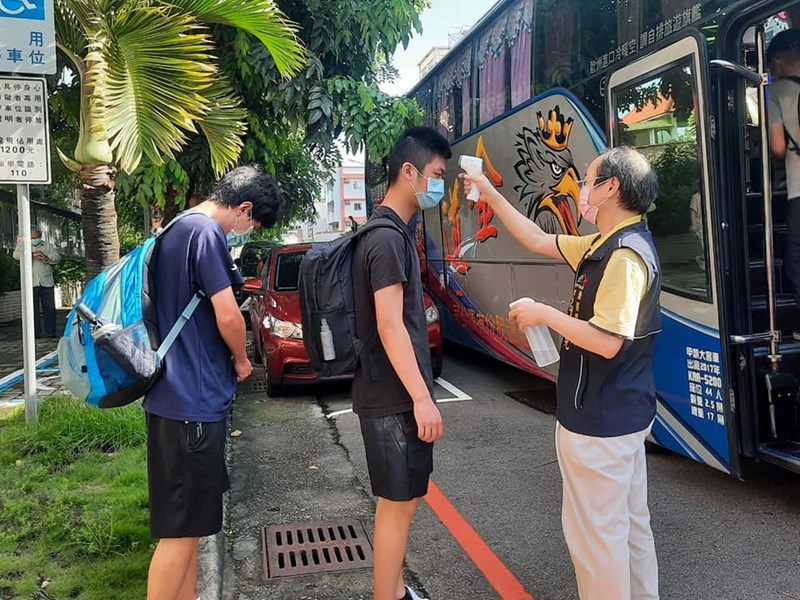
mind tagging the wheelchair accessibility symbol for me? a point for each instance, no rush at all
(22, 9)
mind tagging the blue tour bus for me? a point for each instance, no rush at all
(538, 88)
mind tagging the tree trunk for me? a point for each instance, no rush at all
(98, 217)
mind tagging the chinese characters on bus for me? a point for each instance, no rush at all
(683, 19)
(24, 149)
(705, 385)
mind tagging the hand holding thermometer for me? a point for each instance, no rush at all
(474, 166)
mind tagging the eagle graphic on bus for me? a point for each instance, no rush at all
(549, 190)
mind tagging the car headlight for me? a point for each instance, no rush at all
(432, 314)
(287, 330)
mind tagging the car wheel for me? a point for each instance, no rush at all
(438, 364)
(274, 388)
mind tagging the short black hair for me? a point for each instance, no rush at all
(418, 146)
(785, 45)
(638, 182)
(249, 182)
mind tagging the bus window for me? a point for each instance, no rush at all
(657, 116)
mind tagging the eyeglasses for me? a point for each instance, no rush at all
(582, 182)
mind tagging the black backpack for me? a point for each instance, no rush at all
(327, 302)
(792, 145)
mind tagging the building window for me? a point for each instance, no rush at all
(357, 206)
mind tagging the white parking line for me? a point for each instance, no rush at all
(458, 396)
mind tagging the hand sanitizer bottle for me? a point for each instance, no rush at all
(328, 349)
(539, 339)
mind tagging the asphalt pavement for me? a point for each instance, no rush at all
(300, 458)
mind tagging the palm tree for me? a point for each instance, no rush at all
(149, 78)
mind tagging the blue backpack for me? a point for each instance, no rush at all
(111, 352)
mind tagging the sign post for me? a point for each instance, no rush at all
(27, 47)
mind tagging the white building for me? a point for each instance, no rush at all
(344, 197)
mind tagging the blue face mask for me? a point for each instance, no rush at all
(238, 239)
(431, 197)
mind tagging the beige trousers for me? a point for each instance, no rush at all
(605, 516)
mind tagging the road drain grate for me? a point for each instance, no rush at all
(315, 547)
(258, 386)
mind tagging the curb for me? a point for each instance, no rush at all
(210, 559)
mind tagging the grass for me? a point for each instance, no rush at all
(73, 503)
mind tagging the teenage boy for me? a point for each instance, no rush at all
(187, 407)
(393, 385)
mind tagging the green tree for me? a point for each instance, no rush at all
(149, 81)
(292, 124)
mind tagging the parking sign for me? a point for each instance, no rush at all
(27, 37)
(24, 137)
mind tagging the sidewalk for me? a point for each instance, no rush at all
(287, 466)
(48, 381)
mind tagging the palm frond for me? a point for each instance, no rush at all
(261, 18)
(148, 70)
(72, 20)
(223, 125)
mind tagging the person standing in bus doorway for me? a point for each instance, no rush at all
(783, 60)
(44, 255)
(606, 390)
(393, 384)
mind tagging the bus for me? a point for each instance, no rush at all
(539, 88)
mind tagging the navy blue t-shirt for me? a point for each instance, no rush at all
(199, 380)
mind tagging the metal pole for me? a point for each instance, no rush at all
(26, 283)
(766, 178)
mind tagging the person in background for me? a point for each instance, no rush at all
(783, 61)
(45, 255)
(187, 407)
(393, 384)
(606, 388)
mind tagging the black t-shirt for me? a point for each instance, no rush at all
(385, 257)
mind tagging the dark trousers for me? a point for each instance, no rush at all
(44, 310)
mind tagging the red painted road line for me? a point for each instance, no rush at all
(496, 573)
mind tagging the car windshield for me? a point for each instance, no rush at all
(287, 271)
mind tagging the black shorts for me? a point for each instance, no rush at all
(186, 476)
(399, 462)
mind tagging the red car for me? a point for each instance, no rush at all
(275, 322)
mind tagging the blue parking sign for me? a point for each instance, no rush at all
(27, 37)
(23, 9)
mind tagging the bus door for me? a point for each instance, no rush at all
(762, 344)
(658, 104)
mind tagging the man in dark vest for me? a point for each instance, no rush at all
(606, 391)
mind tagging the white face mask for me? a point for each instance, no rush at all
(590, 211)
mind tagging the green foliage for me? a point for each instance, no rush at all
(9, 272)
(369, 117)
(70, 270)
(68, 428)
(74, 509)
(678, 172)
(149, 77)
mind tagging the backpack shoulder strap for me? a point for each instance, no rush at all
(173, 334)
(387, 223)
(188, 311)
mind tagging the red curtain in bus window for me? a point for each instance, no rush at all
(521, 40)
(492, 84)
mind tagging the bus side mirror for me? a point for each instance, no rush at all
(253, 287)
